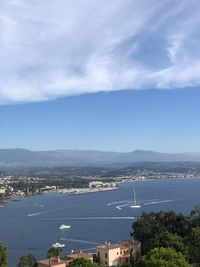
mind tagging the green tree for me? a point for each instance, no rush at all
(163, 257)
(193, 241)
(27, 261)
(169, 240)
(195, 216)
(54, 252)
(3, 256)
(81, 262)
(151, 224)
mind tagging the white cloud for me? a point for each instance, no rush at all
(51, 49)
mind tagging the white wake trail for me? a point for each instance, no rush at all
(79, 241)
(117, 202)
(158, 202)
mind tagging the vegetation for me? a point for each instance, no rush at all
(193, 243)
(169, 240)
(149, 225)
(83, 263)
(165, 236)
(54, 252)
(163, 257)
(3, 256)
(27, 261)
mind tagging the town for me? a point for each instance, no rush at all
(74, 180)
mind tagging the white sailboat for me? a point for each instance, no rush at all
(135, 205)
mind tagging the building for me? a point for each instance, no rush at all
(108, 254)
(118, 254)
(57, 262)
(53, 262)
(80, 255)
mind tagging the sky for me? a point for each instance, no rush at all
(106, 75)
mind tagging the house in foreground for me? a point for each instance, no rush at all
(58, 262)
(106, 254)
(118, 254)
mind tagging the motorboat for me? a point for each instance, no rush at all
(58, 245)
(64, 226)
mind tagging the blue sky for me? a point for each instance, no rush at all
(166, 120)
(110, 75)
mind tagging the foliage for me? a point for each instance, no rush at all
(151, 224)
(81, 262)
(193, 241)
(27, 261)
(3, 256)
(169, 240)
(54, 252)
(195, 216)
(163, 257)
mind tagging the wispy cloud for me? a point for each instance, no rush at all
(51, 49)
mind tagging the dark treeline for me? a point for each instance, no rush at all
(168, 235)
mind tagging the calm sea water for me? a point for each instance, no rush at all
(32, 224)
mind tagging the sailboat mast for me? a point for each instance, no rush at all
(134, 196)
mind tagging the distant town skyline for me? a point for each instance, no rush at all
(101, 75)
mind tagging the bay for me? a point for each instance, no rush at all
(31, 225)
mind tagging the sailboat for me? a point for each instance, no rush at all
(135, 205)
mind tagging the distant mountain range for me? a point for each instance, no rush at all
(28, 158)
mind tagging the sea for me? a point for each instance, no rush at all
(31, 225)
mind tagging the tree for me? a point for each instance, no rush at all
(27, 261)
(163, 257)
(3, 256)
(195, 216)
(81, 262)
(151, 224)
(193, 241)
(54, 252)
(169, 240)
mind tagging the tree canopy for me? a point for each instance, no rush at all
(81, 262)
(163, 257)
(151, 224)
(193, 241)
(54, 252)
(27, 261)
(169, 240)
(3, 256)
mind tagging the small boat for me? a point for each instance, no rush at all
(135, 205)
(64, 226)
(58, 245)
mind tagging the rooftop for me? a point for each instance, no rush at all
(77, 255)
(108, 246)
(52, 262)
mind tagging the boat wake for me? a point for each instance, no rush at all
(125, 205)
(79, 241)
(40, 205)
(150, 202)
(102, 218)
(117, 202)
(158, 202)
(89, 249)
(44, 212)
(83, 218)
(40, 213)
